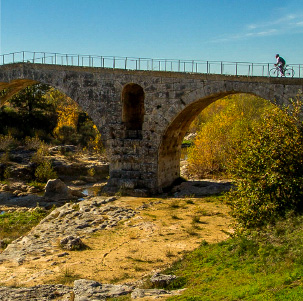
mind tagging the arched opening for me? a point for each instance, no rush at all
(170, 148)
(49, 127)
(133, 110)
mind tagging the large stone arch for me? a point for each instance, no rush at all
(69, 84)
(194, 102)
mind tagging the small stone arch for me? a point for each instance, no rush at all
(133, 110)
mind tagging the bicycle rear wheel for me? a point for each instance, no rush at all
(289, 72)
(274, 72)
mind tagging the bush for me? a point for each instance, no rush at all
(268, 172)
(7, 142)
(45, 171)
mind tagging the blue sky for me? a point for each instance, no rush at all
(229, 30)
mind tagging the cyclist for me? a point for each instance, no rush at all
(281, 63)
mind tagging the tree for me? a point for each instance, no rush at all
(32, 111)
(268, 172)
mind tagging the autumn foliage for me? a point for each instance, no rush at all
(220, 128)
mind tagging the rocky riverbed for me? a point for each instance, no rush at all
(126, 239)
(92, 247)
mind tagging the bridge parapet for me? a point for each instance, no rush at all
(147, 64)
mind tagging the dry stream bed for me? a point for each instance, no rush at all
(127, 239)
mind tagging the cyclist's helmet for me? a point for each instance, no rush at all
(277, 55)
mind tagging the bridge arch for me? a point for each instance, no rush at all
(86, 100)
(195, 102)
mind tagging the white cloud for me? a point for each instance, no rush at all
(282, 25)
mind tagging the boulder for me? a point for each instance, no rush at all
(57, 190)
(92, 290)
(161, 280)
(72, 243)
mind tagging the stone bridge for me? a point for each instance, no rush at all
(143, 116)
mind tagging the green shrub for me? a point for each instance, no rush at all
(268, 172)
(7, 142)
(45, 171)
(39, 156)
(32, 143)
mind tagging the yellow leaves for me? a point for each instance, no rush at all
(67, 110)
(225, 123)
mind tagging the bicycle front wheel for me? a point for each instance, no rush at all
(289, 72)
(273, 72)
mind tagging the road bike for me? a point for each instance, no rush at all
(276, 72)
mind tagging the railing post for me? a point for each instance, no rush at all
(34, 57)
(207, 69)
(252, 69)
(66, 59)
(192, 67)
(179, 65)
(3, 58)
(44, 57)
(55, 58)
(89, 61)
(221, 68)
(139, 64)
(13, 57)
(78, 60)
(125, 63)
(152, 64)
(23, 56)
(114, 62)
(267, 69)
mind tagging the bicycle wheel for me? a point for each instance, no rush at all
(289, 72)
(274, 72)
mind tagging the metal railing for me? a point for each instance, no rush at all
(147, 64)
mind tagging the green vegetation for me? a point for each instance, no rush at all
(263, 259)
(17, 223)
(268, 172)
(263, 265)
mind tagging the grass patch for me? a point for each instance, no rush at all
(67, 276)
(260, 265)
(17, 223)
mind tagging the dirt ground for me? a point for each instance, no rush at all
(162, 231)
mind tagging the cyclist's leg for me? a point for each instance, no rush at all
(282, 69)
